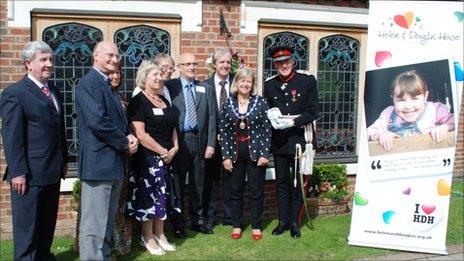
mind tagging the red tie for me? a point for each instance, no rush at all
(46, 91)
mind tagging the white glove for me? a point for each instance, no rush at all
(273, 115)
(284, 123)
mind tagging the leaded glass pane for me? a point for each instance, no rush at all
(138, 43)
(72, 45)
(337, 82)
(300, 46)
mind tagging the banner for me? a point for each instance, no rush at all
(414, 80)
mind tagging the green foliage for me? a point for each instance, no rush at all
(329, 181)
(76, 192)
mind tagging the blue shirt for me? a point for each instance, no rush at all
(185, 89)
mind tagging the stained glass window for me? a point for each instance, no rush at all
(300, 46)
(72, 45)
(138, 43)
(337, 77)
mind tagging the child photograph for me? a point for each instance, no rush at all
(409, 108)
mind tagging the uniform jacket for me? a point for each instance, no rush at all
(103, 129)
(206, 111)
(259, 129)
(33, 134)
(297, 97)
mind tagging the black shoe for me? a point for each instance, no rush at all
(210, 226)
(295, 231)
(202, 229)
(180, 233)
(280, 229)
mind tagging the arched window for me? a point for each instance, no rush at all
(300, 46)
(138, 43)
(72, 45)
(337, 82)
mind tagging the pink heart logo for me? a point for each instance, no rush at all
(428, 209)
(381, 57)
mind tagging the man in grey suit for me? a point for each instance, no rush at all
(103, 146)
(195, 108)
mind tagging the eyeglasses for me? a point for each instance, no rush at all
(189, 64)
(111, 55)
(168, 69)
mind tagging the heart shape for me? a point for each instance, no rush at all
(458, 72)
(407, 191)
(459, 15)
(443, 188)
(404, 20)
(387, 216)
(409, 16)
(359, 200)
(428, 209)
(381, 57)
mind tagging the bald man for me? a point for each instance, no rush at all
(195, 106)
(104, 143)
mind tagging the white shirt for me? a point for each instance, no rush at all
(41, 85)
(218, 87)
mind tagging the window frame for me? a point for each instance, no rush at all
(109, 23)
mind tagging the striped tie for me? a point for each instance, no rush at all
(46, 91)
(191, 111)
(223, 95)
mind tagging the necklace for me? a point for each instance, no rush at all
(154, 97)
(244, 102)
(242, 124)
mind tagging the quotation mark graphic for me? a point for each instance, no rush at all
(446, 162)
(374, 166)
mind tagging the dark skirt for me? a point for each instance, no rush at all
(151, 193)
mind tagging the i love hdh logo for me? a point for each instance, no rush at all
(425, 216)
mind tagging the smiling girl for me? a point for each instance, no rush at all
(411, 113)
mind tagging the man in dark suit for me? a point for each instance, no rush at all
(219, 83)
(36, 153)
(103, 146)
(195, 108)
(294, 93)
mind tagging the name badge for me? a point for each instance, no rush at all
(201, 89)
(158, 111)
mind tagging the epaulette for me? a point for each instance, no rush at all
(303, 72)
(270, 77)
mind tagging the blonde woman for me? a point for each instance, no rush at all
(151, 196)
(245, 138)
(168, 64)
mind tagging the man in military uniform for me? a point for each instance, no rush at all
(294, 92)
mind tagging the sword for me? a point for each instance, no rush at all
(303, 185)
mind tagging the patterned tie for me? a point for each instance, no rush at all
(223, 95)
(191, 111)
(46, 91)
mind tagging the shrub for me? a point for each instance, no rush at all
(329, 181)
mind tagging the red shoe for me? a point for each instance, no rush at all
(257, 236)
(236, 235)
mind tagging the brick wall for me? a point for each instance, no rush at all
(12, 40)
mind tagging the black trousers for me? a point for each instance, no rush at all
(189, 160)
(256, 176)
(214, 174)
(289, 198)
(34, 219)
